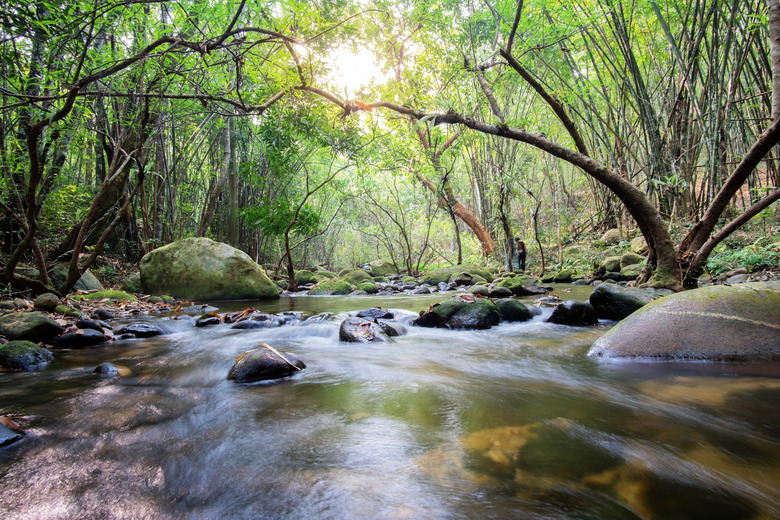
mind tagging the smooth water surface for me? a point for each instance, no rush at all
(512, 422)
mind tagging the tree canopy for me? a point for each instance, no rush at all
(422, 131)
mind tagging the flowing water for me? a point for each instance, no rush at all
(511, 422)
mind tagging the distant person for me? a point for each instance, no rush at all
(520, 248)
(367, 268)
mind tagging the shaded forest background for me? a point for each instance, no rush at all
(428, 133)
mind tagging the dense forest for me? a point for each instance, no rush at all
(425, 132)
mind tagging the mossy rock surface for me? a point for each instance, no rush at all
(444, 274)
(611, 237)
(513, 310)
(119, 296)
(611, 264)
(563, 276)
(132, 283)
(368, 287)
(203, 270)
(23, 355)
(631, 272)
(382, 267)
(638, 245)
(331, 287)
(304, 276)
(356, 276)
(31, 326)
(718, 323)
(523, 285)
(461, 313)
(631, 259)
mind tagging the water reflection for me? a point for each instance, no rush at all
(510, 422)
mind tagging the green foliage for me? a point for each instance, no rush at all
(273, 217)
(764, 253)
(64, 208)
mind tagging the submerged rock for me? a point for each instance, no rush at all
(719, 323)
(8, 435)
(24, 355)
(262, 364)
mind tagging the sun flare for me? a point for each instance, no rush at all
(353, 70)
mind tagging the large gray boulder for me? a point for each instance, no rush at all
(204, 270)
(614, 302)
(87, 282)
(720, 323)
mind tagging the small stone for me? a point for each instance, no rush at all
(80, 338)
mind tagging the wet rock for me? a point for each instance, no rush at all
(8, 435)
(500, 292)
(513, 310)
(375, 313)
(24, 355)
(718, 323)
(46, 302)
(107, 370)
(140, 330)
(574, 313)
(368, 287)
(7, 305)
(479, 290)
(32, 326)
(80, 338)
(392, 328)
(461, 312)
(444, 286)
(207, 320)
(257, 324)
(102, 314)
(84, 323)
(263, 364)
(613, 302)
(360, 330)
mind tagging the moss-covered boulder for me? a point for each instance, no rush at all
(368, 287)
(305, 277)
(720, 323)
(461, 312)
(32, 326)
(611, 264)
(630, 259)
(382, 268)
(23, 355)
(631, 272)
(513, 310)
(356, 276)
(331, 287)
(563, 276)
(522, 285)
(613, 302)
(132, 283)
(202, 269)
(444, 274)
